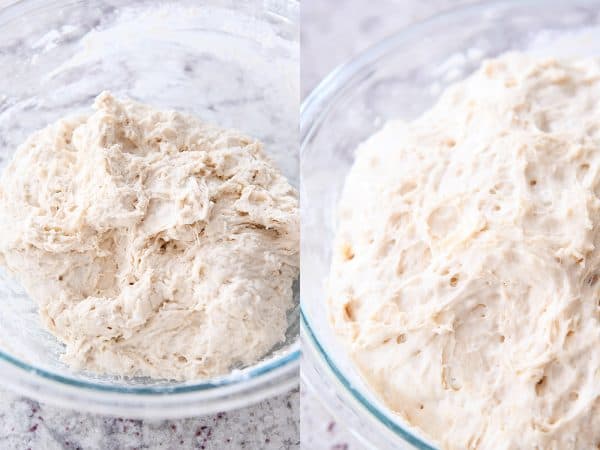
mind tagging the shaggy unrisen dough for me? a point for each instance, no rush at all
(466, 281)
(154, 244)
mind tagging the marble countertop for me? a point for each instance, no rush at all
(332, 32)
(269, 425)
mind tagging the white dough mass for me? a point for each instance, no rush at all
(154, 244)
(466, 277)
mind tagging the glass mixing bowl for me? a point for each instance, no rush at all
(400, 77)
(228, 62)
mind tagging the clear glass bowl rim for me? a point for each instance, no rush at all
(315, 107)
(283, 364)
(289, 359)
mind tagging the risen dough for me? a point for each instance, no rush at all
(154, 244)
(466, 278)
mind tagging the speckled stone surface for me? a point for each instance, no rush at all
(270, 425)
(332, 32)
(319, 429)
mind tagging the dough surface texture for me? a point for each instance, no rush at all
(465, 280)
(154, 244)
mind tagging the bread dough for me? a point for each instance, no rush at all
(465, 280)
(154, 244)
